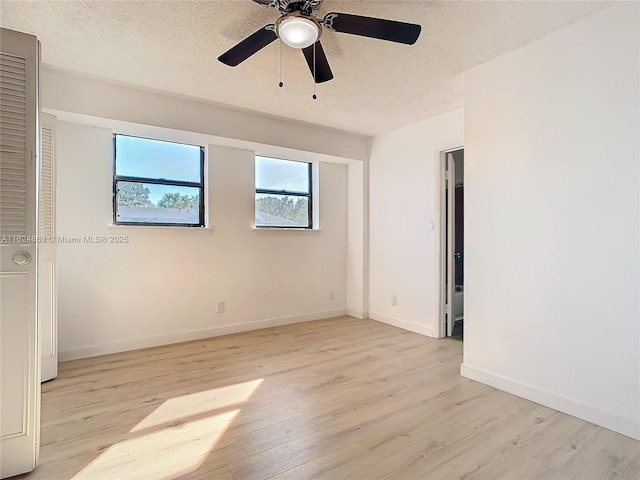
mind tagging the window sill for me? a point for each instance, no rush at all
(162, 229)
(276, 231)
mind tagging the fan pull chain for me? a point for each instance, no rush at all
(314, 71)
(280, 84)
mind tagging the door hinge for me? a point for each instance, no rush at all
(446, 174)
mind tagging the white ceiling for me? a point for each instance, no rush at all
(173, 46)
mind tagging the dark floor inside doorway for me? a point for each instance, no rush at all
(458, 330)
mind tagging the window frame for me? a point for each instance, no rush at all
(290, 193)
(176, 183)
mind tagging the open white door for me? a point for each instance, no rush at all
(48, 253)
(450, 259)
(19, 355)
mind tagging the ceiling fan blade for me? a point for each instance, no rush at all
(390, 30)
(250, 45)
(266, 3)
(312, 6)
(323, 70)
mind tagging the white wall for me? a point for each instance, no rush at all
(552, 221)
(404, 197)
(358, 238)
(163, 285)
(87, 100)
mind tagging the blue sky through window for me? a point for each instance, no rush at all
(276, 174)
(143, 157)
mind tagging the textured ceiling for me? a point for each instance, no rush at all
(173, 46)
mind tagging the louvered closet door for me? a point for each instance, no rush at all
(19, 355)
(48, 253)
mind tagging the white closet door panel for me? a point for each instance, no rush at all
(20, 355)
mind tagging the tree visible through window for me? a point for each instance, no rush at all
(283, 193)
(157, 182)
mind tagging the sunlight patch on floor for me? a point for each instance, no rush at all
(163, 454)
(198, 403)
(174, 439)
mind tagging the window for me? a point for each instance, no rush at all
(283, 193)
(157, 183)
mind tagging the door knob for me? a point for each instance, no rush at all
(21, 258)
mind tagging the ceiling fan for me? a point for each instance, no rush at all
(299, 27)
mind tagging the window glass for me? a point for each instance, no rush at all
(283, 193)
(152, 203)
(275, 174)
(158, 182)
(143, 157)
(281, 211)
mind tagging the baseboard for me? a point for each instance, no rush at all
(404, 324)
(358, 314)
(610, 420)
(136, 344)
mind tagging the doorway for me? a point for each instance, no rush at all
(452, 244)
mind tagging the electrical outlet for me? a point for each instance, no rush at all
(394, 300)
(220, 307)
(332, 294)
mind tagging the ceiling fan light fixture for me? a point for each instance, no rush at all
(297, 31)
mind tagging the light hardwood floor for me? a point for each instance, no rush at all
(335, 399)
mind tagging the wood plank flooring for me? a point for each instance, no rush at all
(333, 399)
